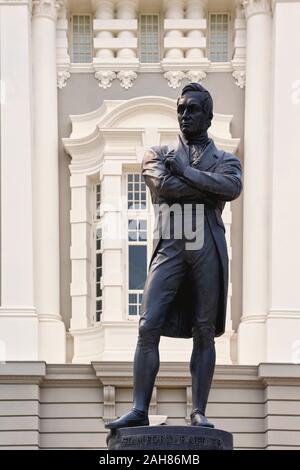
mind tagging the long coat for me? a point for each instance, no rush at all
(217, 178)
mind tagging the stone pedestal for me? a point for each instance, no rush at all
(169, 438)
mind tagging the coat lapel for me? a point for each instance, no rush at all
(208, 158)
(182, 147)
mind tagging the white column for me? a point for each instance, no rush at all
(224, 342)
(251, 334)
(80, 251)
(89, 338)
(113, 242)
(126, 10)
(195, 11)
(104, 11)
(46, 190)
(18, 319)
(283, 323)
(174, 10)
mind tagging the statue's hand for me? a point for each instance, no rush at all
(177, 163)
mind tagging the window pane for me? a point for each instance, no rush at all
(137, 230)
(137, 266)
(98, 310)
(82, 39)
(132, 298)
(132, 224)
(149, 40)
(142, 235)
(99, 291)
(132, 236)
(136, 191)
(219, 37)
(143, 224)
(134, 303)
(132, 310)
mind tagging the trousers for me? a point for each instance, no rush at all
(167, 270)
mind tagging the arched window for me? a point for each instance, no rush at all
(108, 275)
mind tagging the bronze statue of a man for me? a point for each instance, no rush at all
(185, 293)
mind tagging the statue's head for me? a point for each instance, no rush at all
(194, 110)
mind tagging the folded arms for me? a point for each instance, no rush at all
(203, 186)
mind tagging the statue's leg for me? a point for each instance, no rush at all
(145, 368)
(202, 367)
(206, 278)
(164, 277)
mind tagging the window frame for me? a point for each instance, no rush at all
(160, 38)
(97, 223)
(71, 49)
(229, 42)
(136, 214)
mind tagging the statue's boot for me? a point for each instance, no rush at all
(198, 419)
(202, 367)
(145, 368)
(132, 418)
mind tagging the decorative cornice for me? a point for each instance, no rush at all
(112, 111)
(26, 372)
(126, 78)
(46, 8)
(62, 77)
(240, 78)
(106, 75)
(279, 374)
(58, 375)
(256, 7)
(119, 374)
(195, 75)
(93, 131)
(105, 78)
(174, 78)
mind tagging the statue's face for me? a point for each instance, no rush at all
(191, 116)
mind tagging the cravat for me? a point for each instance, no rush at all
(195, 154)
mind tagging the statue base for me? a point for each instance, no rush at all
(169, 438)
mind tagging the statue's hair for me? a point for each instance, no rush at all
(207, 99)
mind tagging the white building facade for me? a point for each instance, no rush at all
(86, 87)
